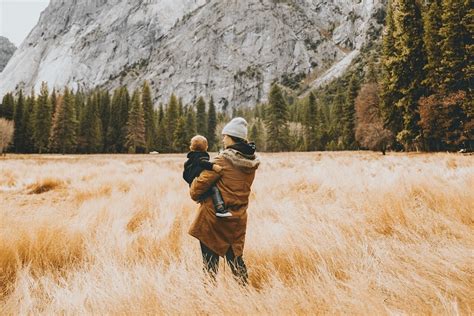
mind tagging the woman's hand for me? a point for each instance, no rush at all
(206, 179)
(217, 168)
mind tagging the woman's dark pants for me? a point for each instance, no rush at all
(236, 264)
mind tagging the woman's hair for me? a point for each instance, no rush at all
(238, 140)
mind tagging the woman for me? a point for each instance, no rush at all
(226, 236)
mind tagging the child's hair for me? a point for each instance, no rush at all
(198, 143)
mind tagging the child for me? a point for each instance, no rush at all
(198, 160)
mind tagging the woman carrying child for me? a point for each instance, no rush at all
(225, 236)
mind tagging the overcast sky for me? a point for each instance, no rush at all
(18, 17)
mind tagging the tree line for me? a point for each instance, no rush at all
(427, 74)
(100, 122)
(413, 92)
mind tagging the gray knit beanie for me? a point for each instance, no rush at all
(237, 128)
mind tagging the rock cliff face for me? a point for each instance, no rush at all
(7, 49)
(231, 49)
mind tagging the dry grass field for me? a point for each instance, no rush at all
(328, 233)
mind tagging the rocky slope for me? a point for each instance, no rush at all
(7, 49)
(231, 49)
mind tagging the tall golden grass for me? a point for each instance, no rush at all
(328, 233)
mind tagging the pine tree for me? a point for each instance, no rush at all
(42, 120)
(468, 26)
(29, 125)
(150, 125)
(180, 107)
(19, 121)
(277, 121)
(301, 110)
(311, 132)
(201, 119)
(69, 141)
(431, 38)
(259, 112)
(114, 128)
(135, 140)
(336, 125)
(190, 123)
(161, 137)
(124, 111)
(64, 125)
(90, 139)
(171, 121)
(297, 137)
(104, 114)
(253, 136)
(55, 134)
(181, 141)
(161, 113)
(348, 114)
(453, 46)
(7, 108)
(211, 125)
(79, 102)
(322, 129)
(257, 134)
(371, 72)
(390, 85)
(454, 119)
(156, 122)
(97, 138)
(53, 101)
(410, 61)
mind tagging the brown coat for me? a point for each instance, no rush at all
(234, 182)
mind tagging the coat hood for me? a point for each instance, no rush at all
(197, 154)
(245, 162)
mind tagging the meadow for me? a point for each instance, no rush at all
(328, 233)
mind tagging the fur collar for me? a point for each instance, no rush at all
(246, 163)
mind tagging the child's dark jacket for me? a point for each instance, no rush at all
(196, 163)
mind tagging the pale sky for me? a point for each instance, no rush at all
(18, 17)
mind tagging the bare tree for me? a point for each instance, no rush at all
(370, 131)
(6, 134)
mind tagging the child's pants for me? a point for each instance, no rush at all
(217, 199)
(211, 263)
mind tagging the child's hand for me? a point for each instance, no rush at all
(217, 168)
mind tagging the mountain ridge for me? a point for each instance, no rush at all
(232, 50)
(7, 49)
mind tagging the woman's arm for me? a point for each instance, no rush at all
(202, 184)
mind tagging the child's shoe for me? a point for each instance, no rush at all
(223, 213)
(219, 203)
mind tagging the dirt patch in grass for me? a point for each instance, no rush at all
(45, 185)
